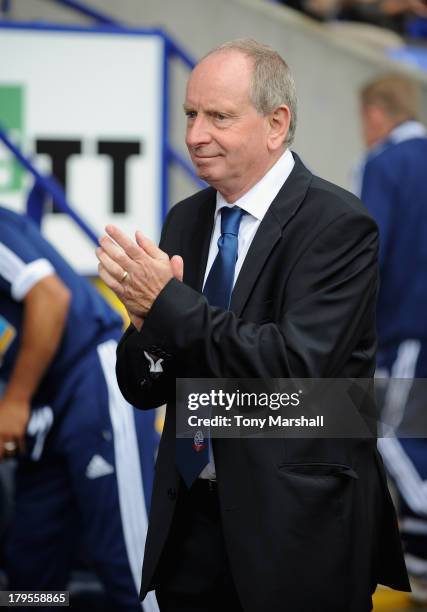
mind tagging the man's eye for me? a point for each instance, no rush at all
(190, 114)
(220, 117)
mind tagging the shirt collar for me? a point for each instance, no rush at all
(407, 131)
(257, 200)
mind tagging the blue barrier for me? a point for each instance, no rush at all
(87, 11)
(47, 185)
(180, 161)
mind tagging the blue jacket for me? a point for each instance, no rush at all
(25, 258)
(394, 189)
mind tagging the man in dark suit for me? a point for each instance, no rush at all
(279, 280)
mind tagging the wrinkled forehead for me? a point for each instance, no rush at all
(224, 74)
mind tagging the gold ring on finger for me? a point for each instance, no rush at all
(10, 447)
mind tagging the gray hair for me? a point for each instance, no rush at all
(397, 95)
(272, 81)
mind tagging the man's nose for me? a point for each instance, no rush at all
(198, 132)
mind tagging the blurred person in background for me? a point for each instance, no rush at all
(391, 14)
(62, 415)
(319, 9)
(392, 182)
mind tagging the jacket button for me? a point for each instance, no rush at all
(143, 382)
(172, 494)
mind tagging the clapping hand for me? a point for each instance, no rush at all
(136, 271)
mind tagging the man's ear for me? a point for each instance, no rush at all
(279, 121)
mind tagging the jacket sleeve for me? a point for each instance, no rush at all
(140, 387)
(380, 194)
(328, 304)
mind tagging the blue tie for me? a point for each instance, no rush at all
(193, 454)
(219, 283)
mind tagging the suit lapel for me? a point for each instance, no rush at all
(281, 211)
(199, 236)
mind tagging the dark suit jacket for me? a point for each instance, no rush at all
(300, 527)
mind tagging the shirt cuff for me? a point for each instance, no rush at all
(30, 275)
(155, 366)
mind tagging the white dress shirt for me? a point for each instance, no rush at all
(255, 203)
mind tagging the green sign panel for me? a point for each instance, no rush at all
(12, 119)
